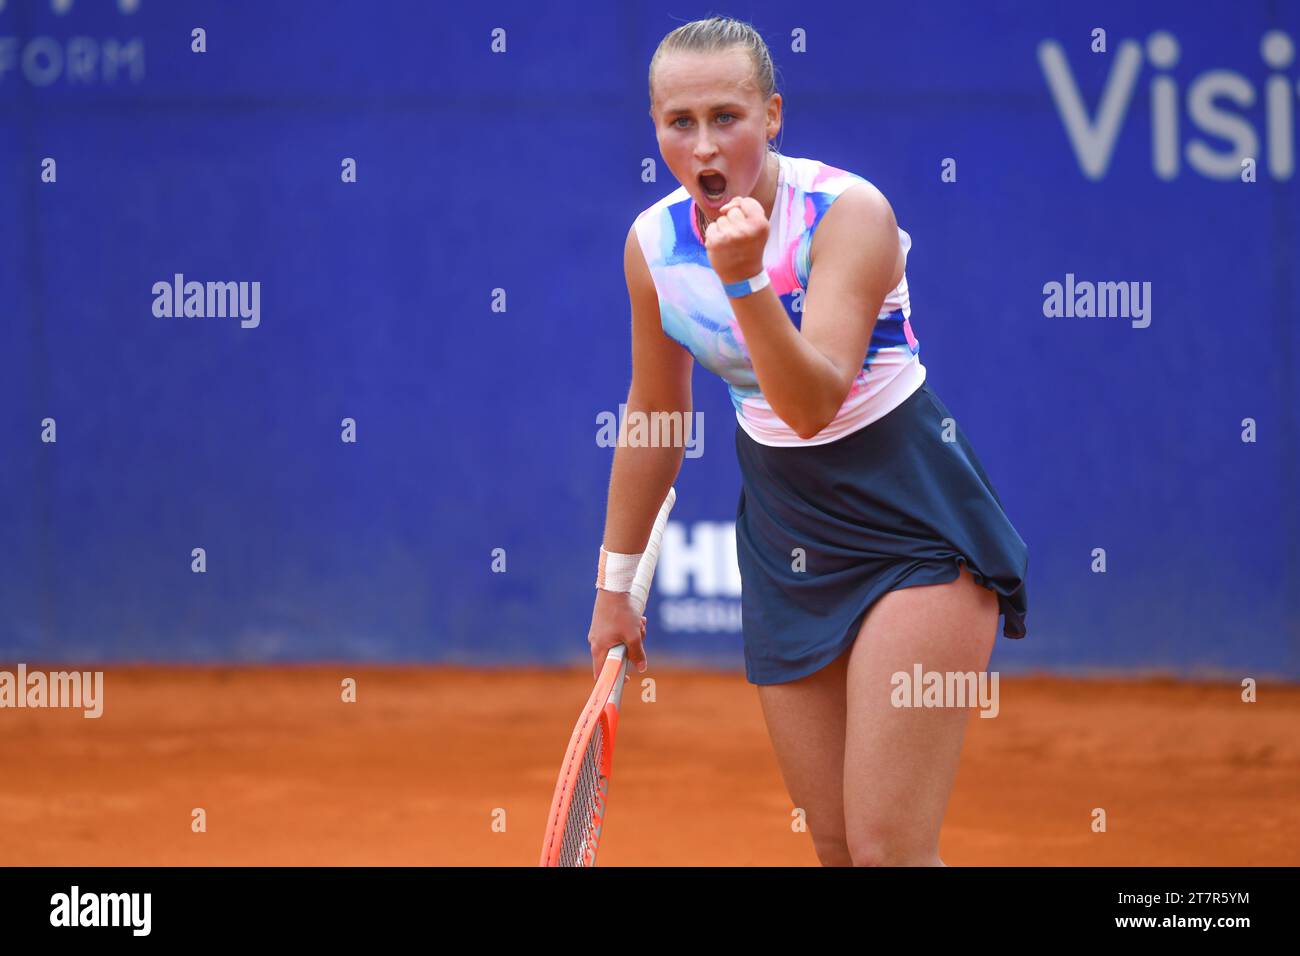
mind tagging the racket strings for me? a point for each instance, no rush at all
(580, 827)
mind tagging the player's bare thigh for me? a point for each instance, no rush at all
(806, 719)
(900, 762)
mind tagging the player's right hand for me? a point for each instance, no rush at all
(614, 622)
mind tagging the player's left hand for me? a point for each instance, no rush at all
(736, 239)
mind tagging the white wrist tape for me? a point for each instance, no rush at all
(616, 571)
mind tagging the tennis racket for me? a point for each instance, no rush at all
(577, 815)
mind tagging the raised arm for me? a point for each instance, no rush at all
(805, 374)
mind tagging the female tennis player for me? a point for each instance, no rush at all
(868, 536)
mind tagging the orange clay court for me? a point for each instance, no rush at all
(412, 773)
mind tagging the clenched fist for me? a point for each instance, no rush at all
(736, 239)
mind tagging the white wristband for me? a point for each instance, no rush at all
(616, 571)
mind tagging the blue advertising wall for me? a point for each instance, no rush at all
(510, 176)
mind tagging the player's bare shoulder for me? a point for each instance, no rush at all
(860, 219)
(640, 285)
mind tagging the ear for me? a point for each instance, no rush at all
(773, 116)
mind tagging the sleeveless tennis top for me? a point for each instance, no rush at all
(695, 311)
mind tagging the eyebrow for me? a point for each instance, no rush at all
(720, 106)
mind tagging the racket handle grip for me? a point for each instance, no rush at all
(645, 569)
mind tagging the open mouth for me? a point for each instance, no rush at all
(714, 185)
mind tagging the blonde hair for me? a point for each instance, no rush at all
(713, 35)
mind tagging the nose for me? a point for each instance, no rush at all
(704, 148)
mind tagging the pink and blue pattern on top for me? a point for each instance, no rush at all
(696, 312)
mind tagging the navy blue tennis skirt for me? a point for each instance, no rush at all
(889, 506)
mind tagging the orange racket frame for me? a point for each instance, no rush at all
(599, 715)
